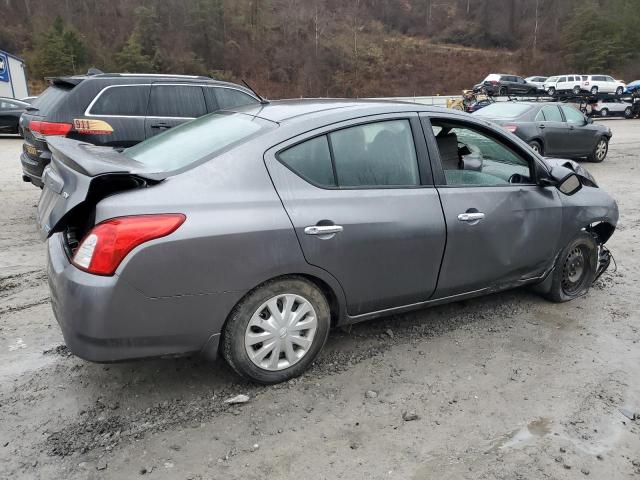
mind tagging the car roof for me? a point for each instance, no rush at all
(301, 109)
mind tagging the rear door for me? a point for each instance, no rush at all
(502, 228)
(171, 105)
(363, 207)
(554, 130)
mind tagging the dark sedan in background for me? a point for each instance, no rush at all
(551, 129)
(10, 111)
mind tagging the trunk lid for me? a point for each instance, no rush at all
(79, 176)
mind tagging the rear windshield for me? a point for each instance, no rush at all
(502, 110)
(197, 140)
(50, 99)
(493, 76)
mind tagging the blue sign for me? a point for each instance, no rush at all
(4, 68)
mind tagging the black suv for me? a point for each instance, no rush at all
(118, 110)
(500, 84)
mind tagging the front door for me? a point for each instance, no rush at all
(502, 228)
(363, 207)
(171, 105)
(553, 130)
(583, 135)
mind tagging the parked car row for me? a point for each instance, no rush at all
(501, 84)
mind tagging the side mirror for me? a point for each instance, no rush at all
(589, 120)
(564, 179)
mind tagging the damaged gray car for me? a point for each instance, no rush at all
(253, 232)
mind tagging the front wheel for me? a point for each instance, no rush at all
(604, 112)
(277, 330)
(551, 91)
(575, 269)
(619, 90)
(600, 150)
(628, 113)
(594, 90)
(576, 90)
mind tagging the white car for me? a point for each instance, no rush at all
(537, 81)
(564, 83)
(612, 107)
(602, 84)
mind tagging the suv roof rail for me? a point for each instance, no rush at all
(159, 75)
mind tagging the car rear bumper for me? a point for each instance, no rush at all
(105, 319)
(33, 168)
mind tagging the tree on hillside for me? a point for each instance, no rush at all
(132, 59)
(58, 51)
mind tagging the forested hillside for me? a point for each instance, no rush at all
(289, 48)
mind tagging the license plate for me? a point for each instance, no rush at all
(31, 150)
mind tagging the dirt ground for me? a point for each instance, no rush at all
(507, 386)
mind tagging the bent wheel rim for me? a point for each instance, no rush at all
(601, 150)
(280, 332)
(575, 271)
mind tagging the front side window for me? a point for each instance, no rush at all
(178, 101)
(562, 79)
(573, 116)
(471, 157)
(129, 100)
(380, 154)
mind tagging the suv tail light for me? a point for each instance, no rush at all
(109, 242)
(41, 129)
(494, 82)
(510, 128)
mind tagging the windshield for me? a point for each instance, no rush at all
(503, 110)
(196, 140)
(552, 79)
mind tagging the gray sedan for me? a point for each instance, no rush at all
(252, 232)
(552, 129)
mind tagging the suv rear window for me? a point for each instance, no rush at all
(49, 99)
(197, 140)
(176, 101)
(126, 100)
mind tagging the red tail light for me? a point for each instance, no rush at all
(511, 128)
(109, 242)
(494, 82)
(42, 129)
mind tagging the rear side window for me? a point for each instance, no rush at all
(311, 160)
(129, 101)
(181, 101)
(50, 99)
(551, 114)
(230, 98)
(197, 141)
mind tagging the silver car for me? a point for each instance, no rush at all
(252, 232)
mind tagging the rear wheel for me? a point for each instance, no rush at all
(594, 90)
(536, 146)
(575, 269)
(551, 91)
(604, 112)
(277, 330)
(628, 113)
(619, 90)
(576, 89)
(600, 150)
(503, 91)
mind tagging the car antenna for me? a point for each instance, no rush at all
(262, 100)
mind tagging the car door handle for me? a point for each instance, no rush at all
(161, 125)
(323, 229)
(471, 217)
(542, 125)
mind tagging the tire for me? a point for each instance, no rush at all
(576, 90)
(551, 91)
(594, 90)
(619, 90)
(503, 91)
(600, 151)
(536, 146)
(628, 112)
(575, 269)
(245, 325)
(604, 112)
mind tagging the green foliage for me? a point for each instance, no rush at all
(598, 39)
(58, 51)
(132, 59)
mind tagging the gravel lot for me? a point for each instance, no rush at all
(506, 386)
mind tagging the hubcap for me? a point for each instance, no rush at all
(534, 147)
(574, 271)
(601, 150)
(280, 332)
